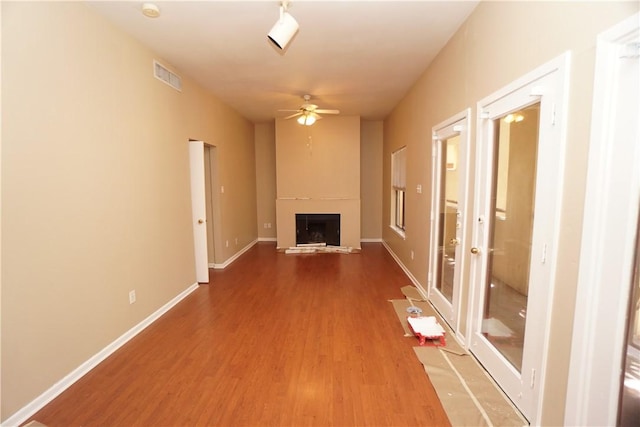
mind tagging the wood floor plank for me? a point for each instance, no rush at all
(273, 340)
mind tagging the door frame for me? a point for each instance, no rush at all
(459, 125)
(553, 96)
(606, 257)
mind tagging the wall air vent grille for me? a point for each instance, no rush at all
(162, 73)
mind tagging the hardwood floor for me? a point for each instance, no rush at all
(273, 340)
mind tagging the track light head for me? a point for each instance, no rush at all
(283, 31)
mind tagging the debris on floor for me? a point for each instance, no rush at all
(318, 249)
(427, 329)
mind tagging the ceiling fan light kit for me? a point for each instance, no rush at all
(307, 119)
(307, 114)
(283, 31)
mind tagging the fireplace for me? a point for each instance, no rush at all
(318, 228)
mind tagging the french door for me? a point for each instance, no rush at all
(448, 212)
(519, 160)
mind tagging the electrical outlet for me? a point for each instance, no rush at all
(268, 225)
(265, 225)
(419, 189)
(132, 296)
(411, 254)
(236, 240)
(227, 243)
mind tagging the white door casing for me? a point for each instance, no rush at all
(608, 237)
(547, 85)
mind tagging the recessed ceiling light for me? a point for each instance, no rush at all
(150, 10)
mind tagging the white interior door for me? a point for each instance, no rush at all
(519, 165)
(449, 193)
(199, 210)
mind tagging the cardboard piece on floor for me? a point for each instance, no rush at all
(456, 400)
(412, 293)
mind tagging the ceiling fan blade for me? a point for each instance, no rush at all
(293, 115)
(288, 111)
(328, 111)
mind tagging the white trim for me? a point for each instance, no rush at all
(267, 239)
(54, 391)
(371, 240)
(234, 257)
(608, 243)
(417, 284)
(400, 232)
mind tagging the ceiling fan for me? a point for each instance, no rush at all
(308, 113)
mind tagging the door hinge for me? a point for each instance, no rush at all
(484, 114)
(533, 378)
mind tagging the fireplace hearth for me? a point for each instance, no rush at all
(312, 228)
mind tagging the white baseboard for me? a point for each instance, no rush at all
(234, 257)
(371, 240)
(416, 283)
(267, 239)
(54, 391)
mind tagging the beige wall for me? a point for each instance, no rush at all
(500, 42)
(371, 179)
(95, 189)
(318, 167)
(265, 140)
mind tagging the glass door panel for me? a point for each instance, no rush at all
(510, 232)
(629, 412)
(448, 232)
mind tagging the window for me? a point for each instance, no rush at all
(398, 188)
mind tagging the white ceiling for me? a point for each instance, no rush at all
(360, 57)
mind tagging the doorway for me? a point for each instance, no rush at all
(204, 206)
(519, 161)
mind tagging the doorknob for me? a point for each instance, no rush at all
(475, 251)
(201, 221)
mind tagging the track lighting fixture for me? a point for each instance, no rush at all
(284, 30)
(150, 10)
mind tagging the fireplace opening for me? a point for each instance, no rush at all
(318, 228)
